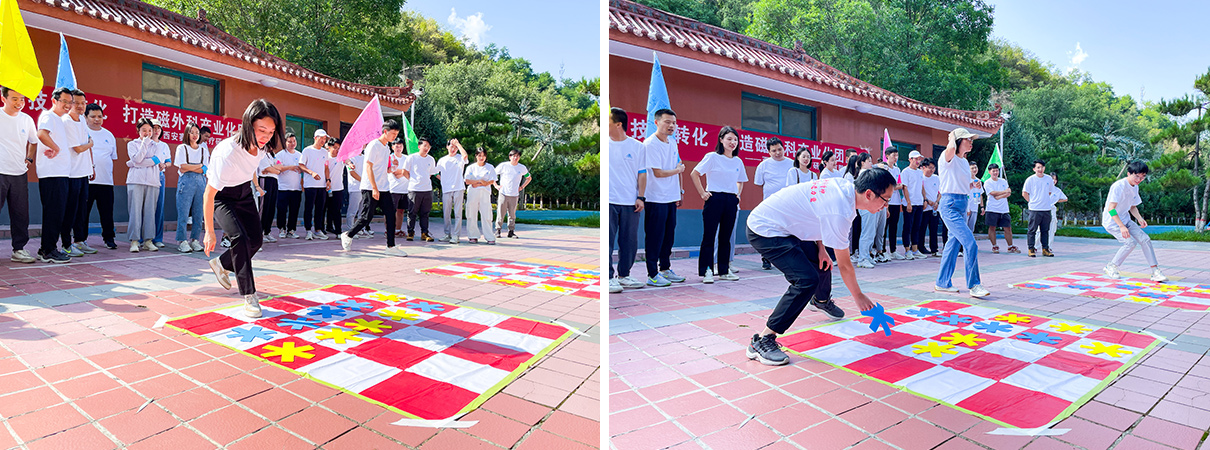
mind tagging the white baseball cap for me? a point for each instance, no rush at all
(915, 154)
(320, 132)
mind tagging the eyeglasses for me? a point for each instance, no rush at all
(886, 201)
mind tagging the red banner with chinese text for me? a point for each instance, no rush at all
(122, 114)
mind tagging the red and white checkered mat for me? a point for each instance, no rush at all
(1133, 290)
(539, 275)
(422, 358)
(1017, 370)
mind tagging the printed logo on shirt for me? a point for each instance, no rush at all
(818, 187)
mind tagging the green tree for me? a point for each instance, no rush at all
(1188, 133)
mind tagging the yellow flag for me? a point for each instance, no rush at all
(18, 65)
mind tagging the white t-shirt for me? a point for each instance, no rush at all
(376, 155)
(231, 165)
(336, 170)
(723, 174)
(795, 176)
(821, 210)
(510, 178)
(1056, 194)
(932, 190)
(399, 185)
(1039, 191)
(104, 153)
(165, 153)
(60, 165)
(450, 168)
(265, 162)
(994, 204)
(77, 132)
(897, 195)
(143, 169)
(420, 172)
(358, 165)
(826, 173)
(976, 194)
(16, 133)
(663, 156)
(955, 176)
(1125, 195)
(189, 155)
(288, 180)
(913, 181)
(315, 159)
(771, 175)
(625, 165)
(488, 173)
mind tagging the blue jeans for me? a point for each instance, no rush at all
(189, 190)
(953, 213)
(159, 213)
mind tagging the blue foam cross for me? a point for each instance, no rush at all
(993, 327)
(252, 334)
(426, 306)
(923, 312)
(1036, 286)
(298, 324)
(953, 319)
(488, 273)
(1081, 287)
(1040, 337)
(354, 305)
(881, 319)
(326, 311)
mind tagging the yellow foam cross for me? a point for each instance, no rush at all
(471, 276)
(1137, 299)
(373, 326)
(288, 352)
(338, 335)
(970, 340)
(391, 298)
(1077, 328)
(1113, 351)
(579, 280)
(514, 282)
(1013, 318)
(934, 349)
(549, 288)
(401, 315)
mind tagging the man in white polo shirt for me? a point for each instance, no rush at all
(627, 186)
(771, 177)
(100, 187)
(76, 216)
(18, 142)
(1037, 191)
(663, 163)
(514, 177)
(54, 169)
(449, 171)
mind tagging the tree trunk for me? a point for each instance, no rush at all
(1200, 209)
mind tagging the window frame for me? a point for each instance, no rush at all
(304, 121)
(781, 105)
(181, 96)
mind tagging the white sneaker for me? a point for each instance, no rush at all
(184, 247)
(615, 286)
(197, 245)
(73, 252)
(22, 256)
(150, 246)
(252, 306)
(917, 255)
(1111, 271)
(709, 278)
(281, 234)
(291, 235)
(395, 251)
(944, 289)
(979, 291)
(864, 264)
(134, 246)
(896, 256)
(269, 238)
(454, 240)
(222, 274)
(631, 283)
(1158, 277)
(321, 236)
(346, 241)
(729, 276)
(310, 236)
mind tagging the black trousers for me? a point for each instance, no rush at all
(799, 262)
(313, 207)
(1039, 220)
(368, 204)
(892, 223)
(333, 204)
(718, 218)
(928, 229)
(75, 219)
(912, 227)
(54, 192)
(102, 195)
(659, 230)
(422, 204)
(287, 208)
(855, 235)
(623, 232)
(268, 204)
(235, 212)
(14, 192)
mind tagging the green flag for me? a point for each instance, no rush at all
(996, 159)
(410, 138)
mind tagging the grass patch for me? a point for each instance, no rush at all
(1082, 232)
(593, 221)
(1179, 235)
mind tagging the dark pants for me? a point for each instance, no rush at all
(659, 230)
(1039, 220)
(235, 212)
(912, 221)
(892, 224)
(422, 204)
(268, 204)
(368, 204)
(855, 236)
(14, 192)
(75, 219)
(313, 207)
(799, 262)
(623, 232)
(102, 195)
(333, 204)
(718, 217)
(928, 229)
(287, 208)
(54, 192)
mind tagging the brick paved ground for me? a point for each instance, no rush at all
(679, 378)
(78, 355)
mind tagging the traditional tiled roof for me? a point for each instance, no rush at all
(627, 17)
(200, 33)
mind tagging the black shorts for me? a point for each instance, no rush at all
(999, 220)
(401, 201)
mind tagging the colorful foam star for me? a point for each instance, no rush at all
(298, 324)
(399, 314)
(288, 352)
(1040, 337)
(373, 326)
(993, 327)
(338, 335)
(1113, 351)
(1137, 299)
(952, 319)
(388, 298)
(251, 334)
(549, 288)
(1013, 318)
(970, 340)
(1077, 328)
(514, 282)
(426, 306)
(353, 305)
(471, 276)
(326, 311)
(934, 349)
(923, 312)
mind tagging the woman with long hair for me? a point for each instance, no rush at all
(801, 172)
(831, 165)
(192, 157)
(725, 178)
(228, 198)
(955, 179)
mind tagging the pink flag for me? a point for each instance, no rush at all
(886, 143)
(367, 128)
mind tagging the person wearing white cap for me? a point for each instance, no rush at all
(315, 182)
(955, 181)
(912, 180)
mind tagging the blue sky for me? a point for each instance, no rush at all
(1150, 46)
(548, 34)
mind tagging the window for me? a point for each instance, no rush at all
(904, 149)
(777, 117)
(167, 87)
(303, 129)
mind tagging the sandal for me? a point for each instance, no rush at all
(996, 249)
(1014, 249)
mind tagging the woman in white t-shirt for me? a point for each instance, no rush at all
(955, 176)
(399, 183)
(289, 188)
(801, 172)
(142, 184)
(864, 225)
(354, 166)
(479, 178)
(192, 156)
(725, 178)
(831, 165)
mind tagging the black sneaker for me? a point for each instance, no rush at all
(765, 265)
(512, 235)
(767, 351)
(827, 307)
(110, 244)
(55, 256)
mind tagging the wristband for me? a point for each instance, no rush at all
(1113, 212)
(642, 198)
(155, 159)
(203, 170)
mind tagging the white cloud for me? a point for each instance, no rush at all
(1075, 58)
(473, 28)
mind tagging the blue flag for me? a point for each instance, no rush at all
(67, 75)
(657, 95)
